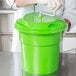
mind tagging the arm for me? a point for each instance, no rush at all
(19, 3)
(25, 2)
(70, 13)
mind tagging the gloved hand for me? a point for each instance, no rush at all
(11, 4)
(52, 4)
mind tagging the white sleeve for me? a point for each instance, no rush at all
(12, 4)
(70, 11)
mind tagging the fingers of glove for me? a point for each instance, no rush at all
(58, 4)
(51, 4)
(54, 4)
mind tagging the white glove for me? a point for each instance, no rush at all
(52, 4)
(12, 4)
